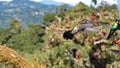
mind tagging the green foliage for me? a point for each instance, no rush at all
(28, 40)
(62, 8)
(15, 26)
(94, 1)
(80, 8)
(49, 17)
(3, 33)
(45, 44)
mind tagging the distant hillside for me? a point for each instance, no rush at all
(25, 10)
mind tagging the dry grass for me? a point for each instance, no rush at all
(10, 57)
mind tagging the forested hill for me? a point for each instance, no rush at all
(25, 10)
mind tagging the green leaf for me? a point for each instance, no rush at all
(94, 1)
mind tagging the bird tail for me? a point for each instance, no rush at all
(68, 35)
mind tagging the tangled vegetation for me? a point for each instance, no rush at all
(44, 44)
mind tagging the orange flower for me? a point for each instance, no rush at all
(79, 58)
(68, 27)
(118, 42)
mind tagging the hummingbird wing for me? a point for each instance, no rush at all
(81, 27)
(92, 29)
(107, 24)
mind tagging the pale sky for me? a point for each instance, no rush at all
(88, 2)
(74, 2)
